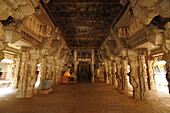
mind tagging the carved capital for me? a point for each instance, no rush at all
(2, 45)
(25, 49)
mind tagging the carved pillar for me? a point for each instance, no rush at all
(134, 73)
(43, 69)
(57, 75)
(54, 71)
(92, 66)
(119, 73)
(114, 80)
(143, 77)
(75, 62)
(124, 74)
(22, 87)
(16, 72)
(2, 47)
(110, 72)
(32, 77)
(151, 79)
(106, 72)
(50, 63)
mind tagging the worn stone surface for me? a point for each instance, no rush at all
(81, 98)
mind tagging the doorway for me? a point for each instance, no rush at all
(84, 73)
(160, 76)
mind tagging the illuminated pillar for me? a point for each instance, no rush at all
(92, 66)
(124, 75)
(22, 87)
(119, 73)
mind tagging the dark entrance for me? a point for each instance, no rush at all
(84, 71)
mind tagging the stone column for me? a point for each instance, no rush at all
(22, 87)
(151, 79)
(143, 77)
(114, 80)
(106, 72)
(2, 47)
(57, 75)
(32, 77)
(92, 67)
(50, 61)
(134, 76)
(110, 72)
(119, 73)
(43, 69)
(124, 74)
(54, 71)
(16, 72)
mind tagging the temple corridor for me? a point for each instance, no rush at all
(49, 49)
(81, 98)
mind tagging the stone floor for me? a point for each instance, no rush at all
(81, 98)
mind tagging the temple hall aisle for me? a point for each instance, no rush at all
(81, 98)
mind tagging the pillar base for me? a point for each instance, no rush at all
(46, 91)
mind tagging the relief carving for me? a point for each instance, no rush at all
(37, 27)
(147, 10)
(17, 9)
(132, 29)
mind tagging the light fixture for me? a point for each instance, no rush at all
(38, 65)
(7, 61)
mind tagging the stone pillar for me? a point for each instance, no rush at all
(106, 72)
(114, 80)
(110, 72)
(119, 73)
(151, 79)
(92, 67)
(22, 87)
(2, 47)
(43, 69)
(134, 75)
(32, 77)
(54, 71)
(16, 72)
(57, 75)
(143, 77)
(124, 74)
(75, 62)
(50, 63)
(28, 73)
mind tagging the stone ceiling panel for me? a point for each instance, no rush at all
(84, 23)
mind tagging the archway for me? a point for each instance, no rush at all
(83, 72)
